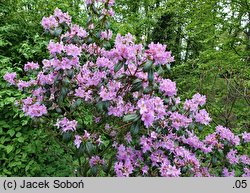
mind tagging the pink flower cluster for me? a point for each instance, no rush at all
(10, 78)
(197, 100)
(58, 48)
(106, 34)
(246, 137)
(56, 19)
(202, 117)
(178, 120)
(66, 125)
(168, 87)
(35, 110)
(226, 134)
(95, 161)
(158, 53)
(79, 139)
(31, 66)
(151, 109)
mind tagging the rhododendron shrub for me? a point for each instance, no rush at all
(112, 103)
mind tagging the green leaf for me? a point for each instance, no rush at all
(137, 85)
(89, 148)
(98, 35)
(75, 104)
(100, 106)
(89, 20)
(147, 66)
(160, 71)
(137, 81)
(56, 32)
(147, 90)
(64, 92)
(169, 67)
(90, 40)
(200, 128)
(125, 67)
(58, 110)
(75, 40)
(151, 75)
(20, 139)
(131, 117)
(66, 81)
(214, 160)
(67, 136)
(9, 148)
(118, 67)
(94, 170)
(11, 132)
(106, 45)
(18, 134)
(107, 25)
(135, 128)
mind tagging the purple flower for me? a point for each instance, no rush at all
(246, 172)
(86, 95)
(232, 157)
(96, 160)
(143, 106)
(128, 137)
(36, 110)
(103, 62)
(145, 169)
(31, 66)
(245, 159)
(199, 99)
(72, 50)
(55, 48)
(202, 117)
(123, 169)
(153, 135)
(77, 141)
(45, 79)
(168, 87)
(146, 144)
(179, 120)
(79, 31)
(190, 105)
(148, 119)
(246, 137)
(167, 170)
(193, 104)
(10, 78)
(23, 84)
(66, 125)
(159, 54)
(104, 94)
(226, 173)
(225, 133)
(62, 17)
(106, 34)
(193, 141)
(111, 2)
(89, 2)
(49, 22)
(211, 139)
(86, 135)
